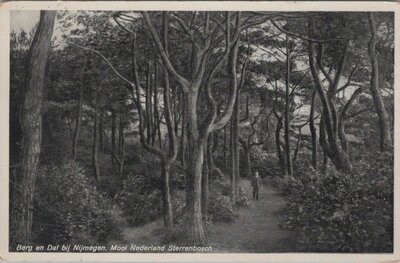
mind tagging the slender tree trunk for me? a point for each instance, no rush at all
(286, 119)
(101, 129)
(166, 193)
(183, 134)
(211, 148)
(384, 121)
(281, 158)
(78, 121)
(113, 135)
(121, 147)
(31, 123)
(95, 145)
(325, 164)
(204, 184)
(233, 162)
(314, 160)
(225, 147)
(236, 119)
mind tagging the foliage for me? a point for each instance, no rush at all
(241, 199)
(221, 209)
(69, 208)
(343, 212)
(139, 199)
(264, 162)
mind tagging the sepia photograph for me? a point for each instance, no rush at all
(200, 131)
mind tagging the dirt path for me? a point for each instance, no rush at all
(255, 230)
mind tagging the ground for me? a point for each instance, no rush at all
(255, 230)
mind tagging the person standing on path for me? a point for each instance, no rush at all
(256, 183)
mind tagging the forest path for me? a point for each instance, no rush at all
(257, 227)
(255, 230)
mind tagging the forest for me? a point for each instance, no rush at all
(148, 128)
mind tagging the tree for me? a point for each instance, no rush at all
(213, 33)
(384, 121)
(31, 121)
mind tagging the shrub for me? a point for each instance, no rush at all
(140, 199)
(263, 162)
(241, 199)
(340, 212)
(69, 208)
(221, 209)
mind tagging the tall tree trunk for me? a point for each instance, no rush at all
(31, 123)
(233, 162)
(194, 222)
(281, 158)
(113, 135)
(204, 183)
(225, 148)
(78, 121)
(384, 121)
(95, 145)
(286, 119)
(236, 120)
(101, 131)
(183, 133)
(166, 193)
(314, 159)
(121, 147)
(211, 148)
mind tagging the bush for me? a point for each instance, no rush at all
(69, 208)
(241, 199)
(265, 163)
(340, 212)
(221, 209)
(140, 199)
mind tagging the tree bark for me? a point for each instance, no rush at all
(113, 135)
(286, 119)
(281, 158)
(78, 121)
(314, 159)
(166, 193)
(384, 120)
(329, 120)
(95, 145)
(101, 131)
(31, 122)
(204, 183)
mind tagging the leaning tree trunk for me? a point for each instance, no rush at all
(31, 122)
(384, 121)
